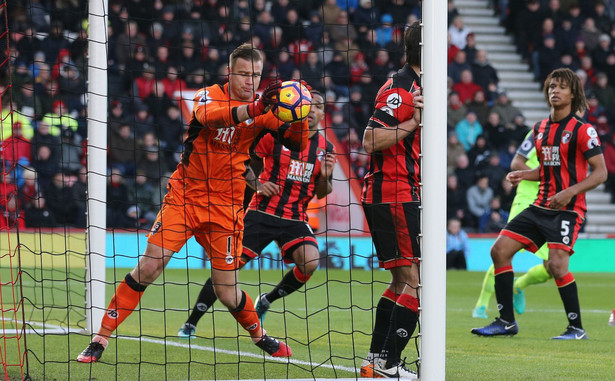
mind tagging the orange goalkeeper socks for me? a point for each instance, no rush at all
(246, 316)
(126, 298)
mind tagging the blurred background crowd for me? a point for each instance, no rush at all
(346, 49)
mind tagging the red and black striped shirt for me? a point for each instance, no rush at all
(394, 173)
(563, 149)
(296, 172)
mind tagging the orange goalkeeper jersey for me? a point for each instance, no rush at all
(217, 148)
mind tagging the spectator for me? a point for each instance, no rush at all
(60, 119)
(547, 58)
(470, 48)
(340, 72)
(38, 215)
(172, 135)
(359, 111)
(15, 150)
(29, 188)
(604, 91)
(385, 32)
(466, 174)
(587, 65)
(468, 129)
(503, 106)
(458, 65)
(451, 50)
(153, 166)
(494, 218)
(456, 204)
(590, 33)
(527, 28)
(10, 213)
(479, 153)
(480, 107)
(158, 102)
(467, 87)
(452, 12)
(8, 120)
(116, 116)
(455, 111)
(566, 36)
(603, 22)
(365, 16)
(285, 65)
(117, 200)
(127, 43)
(339, 126)
(72, 88)
(71, 152)
(312, 68)
(173, 84)
(457, 245)
(143, 121)
(141, 194)
(495, 171)
(61, 199)
(292, 28)
(54, 42)
(483, 73)
(454, 149)
(381, 67)
(122, 149)
(479, 198)
(497, 134)
(602, 51)
(196, 79)
(459, 31)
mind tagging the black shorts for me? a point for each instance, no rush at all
(536, 226)
(395, 231)
(260, 229)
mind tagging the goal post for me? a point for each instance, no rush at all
(97, 164)
(433, 279)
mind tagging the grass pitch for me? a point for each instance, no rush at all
(330, 342)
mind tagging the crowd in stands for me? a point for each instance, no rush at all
(485, 128)
(160, 50)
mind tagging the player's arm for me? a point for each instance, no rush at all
(597, 176)
(518, 163)
(324, 183)
(515, 177)
(222, 114)
(383, 136)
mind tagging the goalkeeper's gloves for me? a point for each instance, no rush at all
(262, 104)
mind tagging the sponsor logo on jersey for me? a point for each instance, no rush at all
(300, 171)
(593, 143)
(566, 137)
(550, 156)
(387, 109)
(591, 132)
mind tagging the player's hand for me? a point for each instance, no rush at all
(262, 104)
(515, 177)
(560, 199)
(268, 189)
(417, 97)
(328, 165)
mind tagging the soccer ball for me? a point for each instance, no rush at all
(294, 102)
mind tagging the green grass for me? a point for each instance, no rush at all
(326, 342)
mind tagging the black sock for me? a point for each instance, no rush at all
(570, 297)
(504, 294)
(381, 324)
(403, 324)
(206, 298)
(287, 285)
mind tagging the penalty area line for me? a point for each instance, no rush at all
(240, 353)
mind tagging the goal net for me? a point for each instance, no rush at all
(96, 102)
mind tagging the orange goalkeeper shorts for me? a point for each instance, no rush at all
(217, 227)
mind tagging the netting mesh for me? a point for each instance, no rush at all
(159, 55)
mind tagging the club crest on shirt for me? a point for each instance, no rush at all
(300, 171)
(566, 137)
